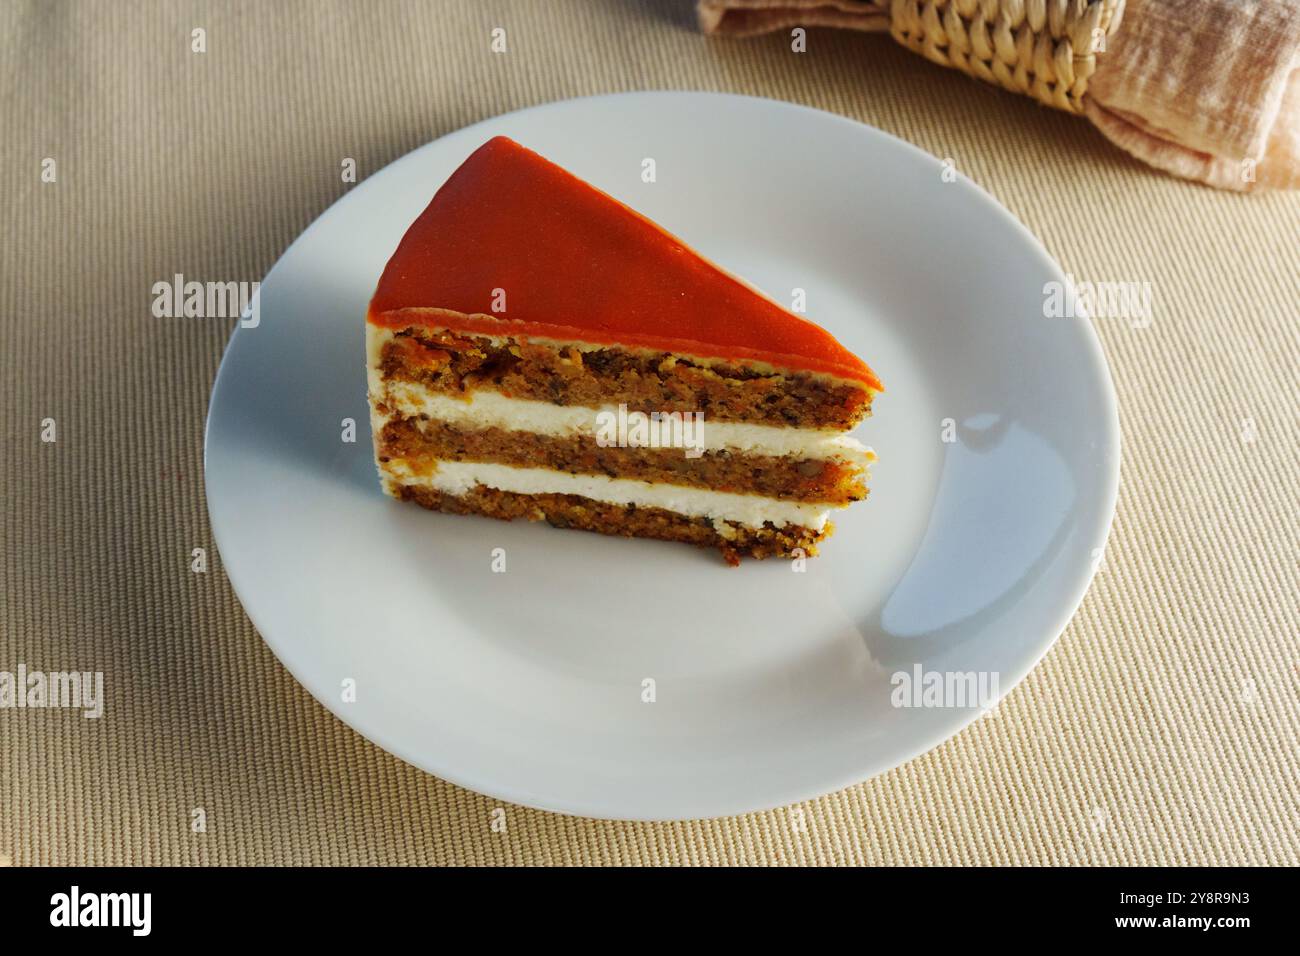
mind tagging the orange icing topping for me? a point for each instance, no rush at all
(575, 264)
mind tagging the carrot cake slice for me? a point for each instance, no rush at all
(537, 349)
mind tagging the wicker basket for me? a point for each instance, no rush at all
(1046, 49)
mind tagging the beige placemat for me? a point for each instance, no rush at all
(1162, 728)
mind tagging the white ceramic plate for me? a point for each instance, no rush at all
(771, 685)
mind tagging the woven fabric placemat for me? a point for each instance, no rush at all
(1162, 727)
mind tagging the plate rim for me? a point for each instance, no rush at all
(592, 809)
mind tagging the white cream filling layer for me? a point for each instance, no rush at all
(485, 409)
(458, 478)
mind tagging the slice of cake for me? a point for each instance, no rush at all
(539, 350)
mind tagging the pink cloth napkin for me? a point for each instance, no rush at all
(1206, 89)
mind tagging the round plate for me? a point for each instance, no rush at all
(614, 677)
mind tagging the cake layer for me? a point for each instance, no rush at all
(489, 409)
(574, 263)
(420, 441)
(457, 478)
(573, 511)
(594, 377)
